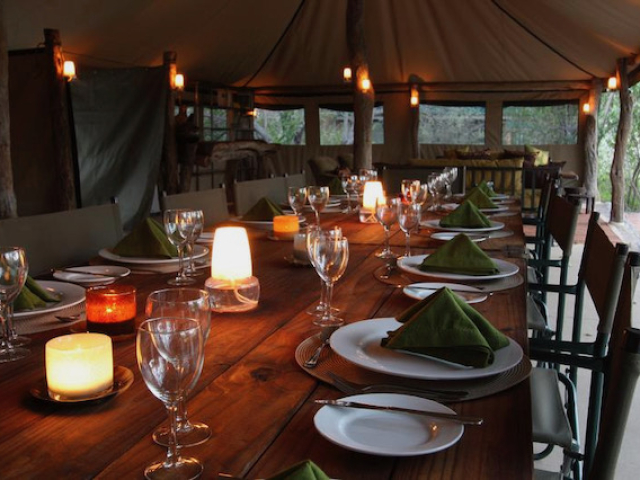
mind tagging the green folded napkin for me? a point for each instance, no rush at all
(446, 327)
(263, 211)
(459, 255)
(486, 188)
(32, 296)
(147, 239)
(466, 215)
(335, 187)
(305, 470)
(480, 199)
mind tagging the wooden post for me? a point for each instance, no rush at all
(168, 181)
(8, 205)
(622, 140)
(362, 100)
(591, 141)
(62, 155)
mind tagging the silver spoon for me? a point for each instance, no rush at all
(312, 362)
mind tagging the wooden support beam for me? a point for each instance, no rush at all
(61, 127)
(168, 181)
(363, 100)
(622, 140)
(8, 205)
(590, 181)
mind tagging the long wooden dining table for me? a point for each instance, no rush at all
(257, 399)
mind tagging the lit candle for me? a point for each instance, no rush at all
(372, 191)
(79, 365)
(231, 286)
(285, 226)
(69, 70)
(111, 309)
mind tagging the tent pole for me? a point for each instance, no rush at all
(622, 140)
(168, 181)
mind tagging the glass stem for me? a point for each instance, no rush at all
(407, 250)
(329, 296)
(387, 234)
(322, 303)
(181, 260)
(4, 333)
(181, 413)
(172, 450)
(317, 217)
(11, 329)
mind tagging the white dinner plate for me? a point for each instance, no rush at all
(453, 206)
(69, 294)
(436, 224)
(92, 275)
(198, 252)
(359, 343)
(410, 265)
(446, 236)
(388, 433)
(420, 291)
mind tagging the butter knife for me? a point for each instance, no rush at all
(447, 416)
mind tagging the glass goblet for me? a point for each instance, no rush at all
(182, 303)
(318, 198)
(330, 258)
(410, 189)
(353, 187)
(198, 226)
(312, 232)
(179, 225)
(408, 219)
(13, 275)
(169, 352)
(297, 197)
(386, 214)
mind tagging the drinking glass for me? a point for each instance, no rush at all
(410, 189)
(313, 232)
(13, 275)
(318, 198)
(198, 219)
(408, 219)
(452, 175)
(330, 257)
(369, 174)
(387, 215)
(169, 352)
(179, 225)
(182, 303)
(344, 182)
(297, 197)
(353, 187)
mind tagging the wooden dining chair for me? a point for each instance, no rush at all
(63, 238)
(246, 194)
(555, 419)
(212, 202)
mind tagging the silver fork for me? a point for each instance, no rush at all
(351, 388)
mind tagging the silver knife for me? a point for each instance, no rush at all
(448, 416)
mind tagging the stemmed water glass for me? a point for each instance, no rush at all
(318, 198)
(352, 188)
(450, 174)
(330, 256)
(313, 231)
(169, 352)
(410, 189)
(387, 215)
(408, 219)
(179, 225)
(182, 303)
(198, 226)
(297, 197)
(13, 275)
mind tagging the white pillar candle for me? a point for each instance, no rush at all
(78, 365)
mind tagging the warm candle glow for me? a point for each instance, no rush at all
(347, 74)
(586, 108)
(111, 309)
(365, 84)
(612, 83)
(178, 81)
(415, 96)
(230, 254)
(69, 70)
(285, 226)
(79, 365)
(372, 192)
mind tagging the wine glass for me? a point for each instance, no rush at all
(408, 219)
(313, 231)
(182, 303)
(297, 197)
(318, 198)
(198, 226)
(13, 275)
(387, 214)
(169, 352)
(330, 257)
(179, 225)
(353, 187)
(410, 189)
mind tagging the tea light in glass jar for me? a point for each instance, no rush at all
(111, 309)
(285, 226)
(79, 366)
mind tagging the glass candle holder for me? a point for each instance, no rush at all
(111, 309)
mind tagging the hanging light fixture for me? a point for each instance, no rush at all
(178, 81)
(612, 83)
(586, 107)
(365, 84)
(347, 74)
(415, 96)
(69, 70)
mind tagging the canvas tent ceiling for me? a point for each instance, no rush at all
(286, 43)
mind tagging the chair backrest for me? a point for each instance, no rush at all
(63, 238)
(212, 202)
(246, 194)
(297, 180)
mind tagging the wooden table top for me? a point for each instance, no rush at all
(253, 394)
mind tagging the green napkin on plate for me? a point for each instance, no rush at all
(446, 327)
(147, 240)
(480, 199)
(460, 255)
(486, 188)
(32, 296)
(263, 211)
(305, 470)
(335, 187)
(466, 215)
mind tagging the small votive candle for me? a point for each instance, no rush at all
(285, 226)
(111, 309)
(373, 191)
(79, 366)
